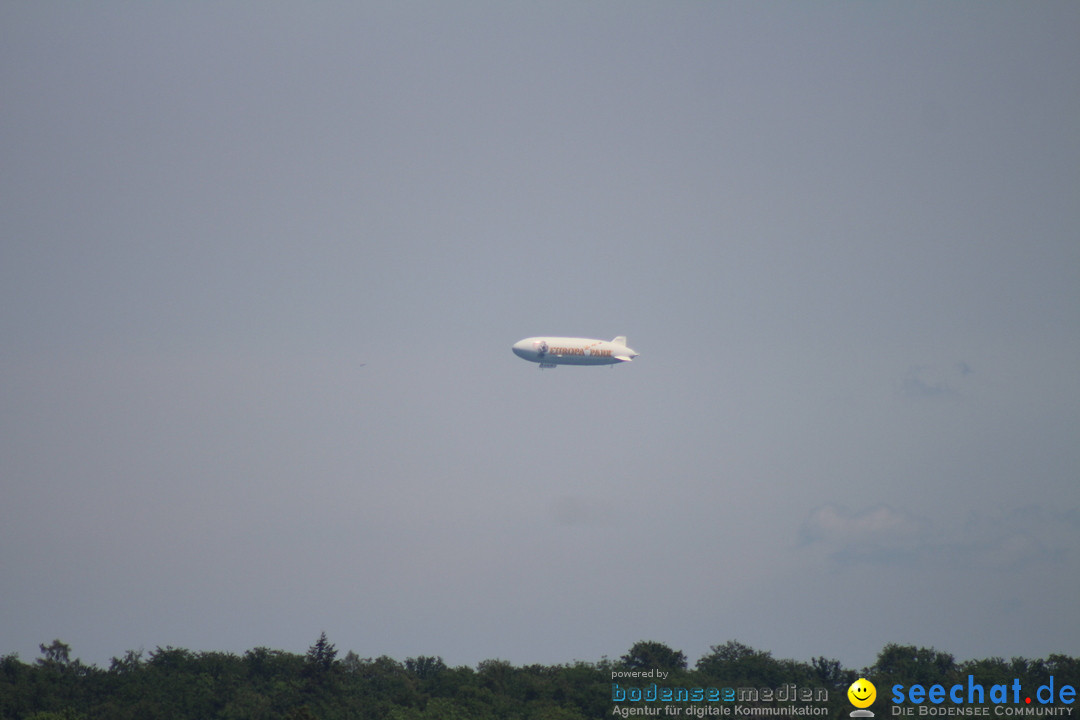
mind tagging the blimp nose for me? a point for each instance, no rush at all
(520, 347)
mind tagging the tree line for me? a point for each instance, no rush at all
(263, 684)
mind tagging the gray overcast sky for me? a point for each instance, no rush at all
(844, 237)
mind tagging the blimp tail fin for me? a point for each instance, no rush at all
(621, 340)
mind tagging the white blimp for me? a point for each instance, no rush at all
(552, 351)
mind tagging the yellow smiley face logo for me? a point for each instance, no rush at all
(862, 693)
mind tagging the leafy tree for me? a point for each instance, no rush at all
(425, 668)
(990, 671)
(65, 714)
(831, 673)
(263, 684)
(914, 664)
(497, 675)
(736, 664)
(445, 709)
(1063, 666)
(390, 683)
(554, 712)
(648, 655)
(247, 704)
(402, 713)
(57, 654)
(448, 682)
(131, 662)
(585, 686)
(170, 659)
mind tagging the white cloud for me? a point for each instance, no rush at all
(882, 534)
(933, 381)
(878, 534)
(1018, 537)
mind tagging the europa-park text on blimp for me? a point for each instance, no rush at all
(550, 352)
